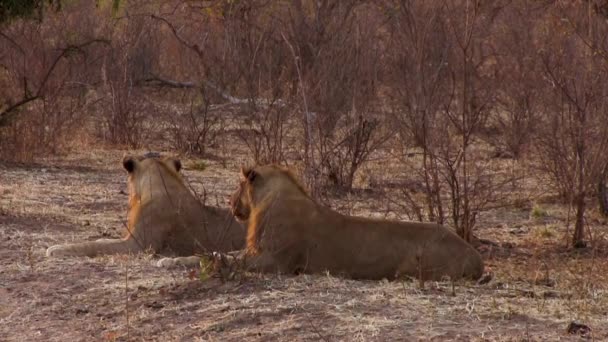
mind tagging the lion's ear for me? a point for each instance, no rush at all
(248, 174)
(129, 164)
(251, 175)
(178, 164)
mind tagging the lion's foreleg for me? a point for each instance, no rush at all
(95, 248)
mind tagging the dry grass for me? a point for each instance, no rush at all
(538, 288)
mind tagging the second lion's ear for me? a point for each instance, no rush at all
(248, 174)
(129, 164)
(178, 164)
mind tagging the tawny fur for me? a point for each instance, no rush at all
(164, 217)
(288, 232)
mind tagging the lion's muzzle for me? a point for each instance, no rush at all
(236, 206)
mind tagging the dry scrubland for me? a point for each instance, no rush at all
(538, 288)
(489, 116)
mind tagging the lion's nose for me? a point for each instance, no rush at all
(236, 212)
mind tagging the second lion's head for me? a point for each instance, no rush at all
(259, 183)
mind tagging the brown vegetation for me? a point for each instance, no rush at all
(326, 85)
(441, 111)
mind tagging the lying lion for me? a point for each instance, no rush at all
(164, 217)
(288, 233)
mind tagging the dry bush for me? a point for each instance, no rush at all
(337, 50)
(263, 66)
(443, 79)
(513, 119)
(287, 63)
(348, 148)
(419, 80)
(243, 64)
(194, 127)
(265, 135)
(126, 110)
(45, 82)
(574, 130)
(470, 25)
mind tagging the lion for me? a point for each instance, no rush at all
(164, 217)
(288, 232)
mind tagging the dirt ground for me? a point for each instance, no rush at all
(538, 287)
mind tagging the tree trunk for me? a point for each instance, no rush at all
(427, 184)
(578, 240)
(602, 194)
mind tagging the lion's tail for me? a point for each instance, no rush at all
(95, 248)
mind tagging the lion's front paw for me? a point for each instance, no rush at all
(190, 261)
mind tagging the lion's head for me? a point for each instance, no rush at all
(142, 170)
(135, 165)
(240, 202)
(258, 182)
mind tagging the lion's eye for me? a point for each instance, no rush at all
(251, 175)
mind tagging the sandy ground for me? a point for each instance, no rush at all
(538, 287)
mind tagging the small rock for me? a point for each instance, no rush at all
(517, 231)
(507, 245)
(528, 294)
(81, 311)
(575, 328)
(499, 285)
(155, 305)
(548, 282)
(550, 294)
